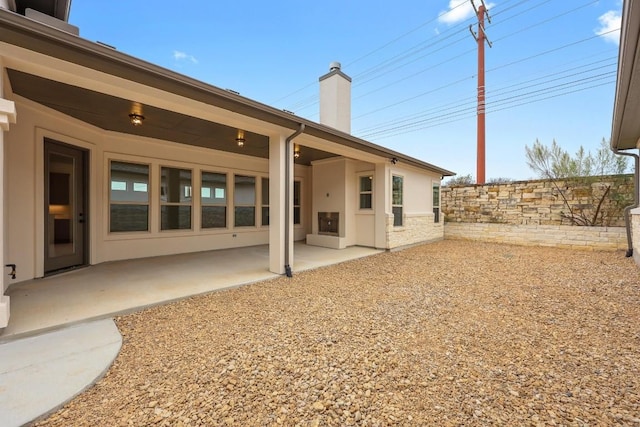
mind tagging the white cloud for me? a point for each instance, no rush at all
(610, 26)
(181, 56)
(459, 10)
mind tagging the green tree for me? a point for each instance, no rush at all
(583, 171)
(556, 163)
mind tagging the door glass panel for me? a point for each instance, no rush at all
(62, 206)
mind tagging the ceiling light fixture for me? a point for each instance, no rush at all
(296, 151)
(240, 138)
(136, 119)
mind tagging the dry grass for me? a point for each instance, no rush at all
(452, 333)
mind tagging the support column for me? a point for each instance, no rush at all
(7, 116)
(277, 224)
(382, 204)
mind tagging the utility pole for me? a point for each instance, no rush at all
(480, 37)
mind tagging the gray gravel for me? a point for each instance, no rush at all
(451, 333)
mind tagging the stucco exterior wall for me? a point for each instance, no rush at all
(25, 195)
(560, 236)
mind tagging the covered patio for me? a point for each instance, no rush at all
(120, 287)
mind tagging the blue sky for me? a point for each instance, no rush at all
(550, 72)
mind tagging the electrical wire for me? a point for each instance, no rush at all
(311, 101)
(509, 88)
(490, 107)
(389, 62)
(376, 50)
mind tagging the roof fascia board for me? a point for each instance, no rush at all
(627, 59)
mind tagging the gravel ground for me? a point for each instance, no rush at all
(451, 333)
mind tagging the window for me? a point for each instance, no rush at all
(213, 196)
(244, 200)
(175, 199)
(265, 201)
(128, 198)
(396, 200)
(436, 203)
(296, 202)
(366, 192)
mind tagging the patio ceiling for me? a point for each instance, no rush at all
(112, 113)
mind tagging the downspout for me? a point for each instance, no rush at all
(636, 187)
(287, 198)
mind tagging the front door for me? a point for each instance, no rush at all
(65, 206)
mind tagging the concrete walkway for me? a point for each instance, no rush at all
(61, 338)
(38, 374)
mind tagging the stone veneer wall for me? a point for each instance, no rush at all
(635, 233)
(561, 236)
(416, 228)
(529, 213)
(528, 202)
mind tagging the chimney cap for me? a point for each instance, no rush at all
(334, 66)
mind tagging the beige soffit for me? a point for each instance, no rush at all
(22, 32)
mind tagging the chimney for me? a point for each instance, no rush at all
(335, 99)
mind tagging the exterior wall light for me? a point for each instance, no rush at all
(136, 119)
(240, 138)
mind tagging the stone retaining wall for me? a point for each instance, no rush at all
(536, 202)
(561, 236)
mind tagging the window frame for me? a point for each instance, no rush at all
(398, 220)
(264, 207)
(112, 202)
(190, 203)
(435, 189)
(205, 204)
(365, 192)
(297, 206)
(236, 205)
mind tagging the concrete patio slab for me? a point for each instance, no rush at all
(114, 288)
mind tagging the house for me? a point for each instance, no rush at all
(107, 157)
(625, 134)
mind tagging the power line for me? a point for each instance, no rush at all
(510, 88)
(460, 117)
(389, 62)
(470, 110)
(443, 62)
(376, 50)
(537, 55)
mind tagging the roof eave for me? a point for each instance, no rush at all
(34, 36)
(625, 112)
